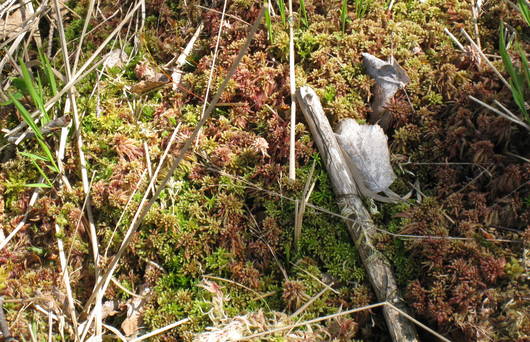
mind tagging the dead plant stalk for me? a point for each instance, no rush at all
(292, 85)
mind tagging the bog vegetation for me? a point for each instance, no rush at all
(104, 98)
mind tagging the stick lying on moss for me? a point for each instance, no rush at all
(377, 267)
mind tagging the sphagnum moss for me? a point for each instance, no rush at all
(208, 224)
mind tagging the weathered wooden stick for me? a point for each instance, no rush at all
(361, 226)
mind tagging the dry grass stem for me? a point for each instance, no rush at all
(148, 163)
(212, 67)
(22, 223)
(116, 332)
(90, 10)
(77, 76)
(124, 289)
(318, 280)
(123, 213)
(257, 294)
(82, 161)
(418, 322)
(300, 206)
(308, 303)
(228, 15)
(504, 115)
(66, 280)
(176, 74)
(160, 330)
(292, 85)
(479, 51)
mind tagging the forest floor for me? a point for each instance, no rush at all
(215, 250)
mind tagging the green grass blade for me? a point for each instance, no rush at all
(42, 173)
(17, 95)
(46, 66)
(37, 185)
(507, 61)
(281, 6)
(34, 156)
(20, 85)
(524, 61)
(35, 96)
(525, 11)
(518, 98)
(343, 15)
(26, 116)
(303, 14)
(268, 23)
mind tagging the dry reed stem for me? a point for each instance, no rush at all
(212, 68)
(308, 303)
(82, 161)
(22, 223)
(292, 85)
(504, 115)
(67, 284)
(160, 330)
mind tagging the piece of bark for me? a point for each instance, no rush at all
(389, 78)
(360, 225)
